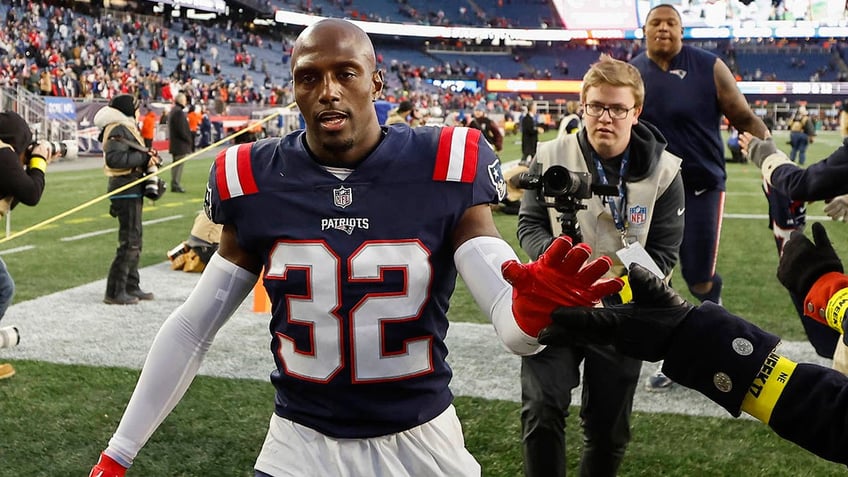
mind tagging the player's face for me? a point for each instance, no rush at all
(663, 32)
(609, 136)
(335, 84)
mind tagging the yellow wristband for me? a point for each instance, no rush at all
(767, 387)
(836, 307)
(626, 292)
(38, 162)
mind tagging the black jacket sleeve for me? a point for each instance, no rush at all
(119, 154)
(666, 232)
(534, 225)
(25, 185)
(822, 180)
(720, 354)
(812, 412)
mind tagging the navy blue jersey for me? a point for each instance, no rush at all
(359, 271)
(683, 104)
(822, 180)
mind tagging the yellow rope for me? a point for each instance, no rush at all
(138, 181)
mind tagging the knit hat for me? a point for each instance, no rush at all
(125, 103)
(15, 131)
(405, 106)
(480, 107)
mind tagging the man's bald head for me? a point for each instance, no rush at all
(336, 81)
(334, 29)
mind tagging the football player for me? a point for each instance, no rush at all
(690, 124)
(361, 231)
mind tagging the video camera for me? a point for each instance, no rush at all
(568, 190)
(557, 181)
(59, 149)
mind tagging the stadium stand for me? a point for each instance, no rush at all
(68, 49)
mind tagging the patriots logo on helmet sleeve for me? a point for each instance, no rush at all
(497, 178)
(207, 202)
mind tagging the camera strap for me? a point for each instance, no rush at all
(131, 144)
(617, 212)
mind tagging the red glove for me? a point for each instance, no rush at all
(107, 467)
(817, 300)
(560, 277)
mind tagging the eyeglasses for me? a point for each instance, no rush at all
(597, 110)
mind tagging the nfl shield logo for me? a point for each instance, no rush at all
(342, 197)
(638, 214)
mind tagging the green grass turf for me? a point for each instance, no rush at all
(54, 419)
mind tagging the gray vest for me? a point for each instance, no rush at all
(596, 221)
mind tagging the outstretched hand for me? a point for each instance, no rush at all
(803, 261)
(756, 149)
(837, 208)
(813, 271)
(642, 329)
(560, 277)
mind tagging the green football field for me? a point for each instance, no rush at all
(55, 419)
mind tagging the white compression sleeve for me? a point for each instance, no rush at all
(177, 352)
(478, 261)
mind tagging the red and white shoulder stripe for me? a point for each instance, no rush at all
(456, 157)
(234, 173)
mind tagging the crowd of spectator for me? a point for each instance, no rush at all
(54, 51)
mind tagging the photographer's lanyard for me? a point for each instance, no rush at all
(617, 212)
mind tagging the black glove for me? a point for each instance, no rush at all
(802, 262)
(760, 149)
(642, 329)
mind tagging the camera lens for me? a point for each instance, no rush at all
(559, 181)
(9, 337)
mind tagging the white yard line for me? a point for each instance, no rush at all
(23, 248)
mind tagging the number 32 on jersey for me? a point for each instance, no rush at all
(317, 309)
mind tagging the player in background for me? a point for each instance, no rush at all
(359, 275)
(687, 91)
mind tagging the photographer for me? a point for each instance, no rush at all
(642, 216)
(403, 114)
(22, 168)
(491, 131)
(127, 160)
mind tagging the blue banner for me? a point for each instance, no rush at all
(60, 108)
